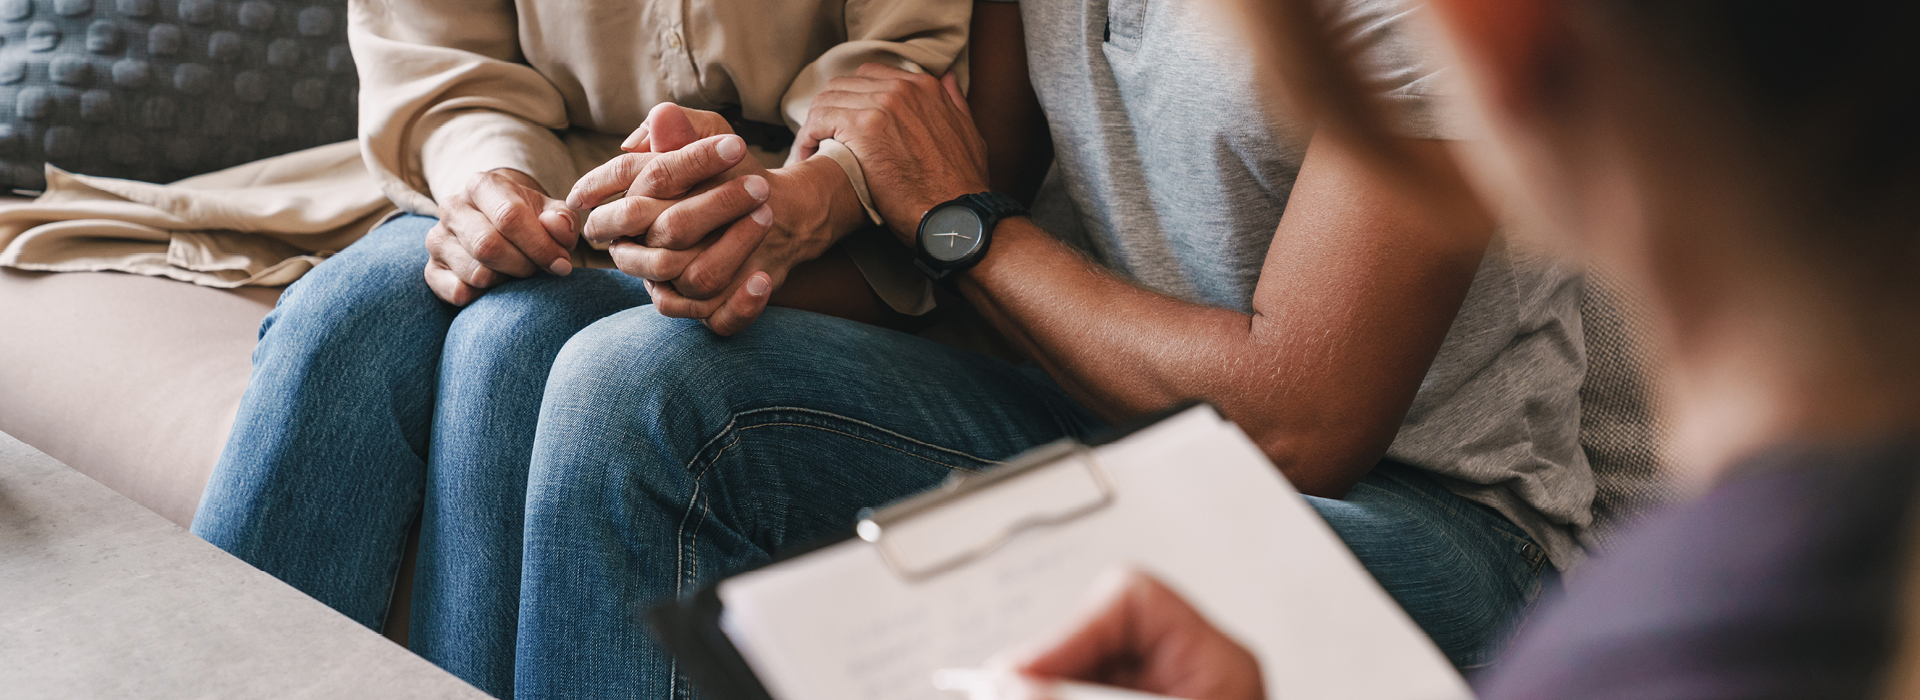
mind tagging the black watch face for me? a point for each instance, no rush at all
(952, 233)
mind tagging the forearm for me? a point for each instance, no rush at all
(814, 201)
(824, 210)
(1119, 349)
(1322, 401)
(1361, 283)
(451, 99)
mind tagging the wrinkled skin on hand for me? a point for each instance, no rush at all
(715, 247)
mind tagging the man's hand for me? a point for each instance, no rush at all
(913, 135)
(712, 249)
(1142, 636)
(501, 225)
(688, 216)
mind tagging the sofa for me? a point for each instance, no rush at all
(134, 381)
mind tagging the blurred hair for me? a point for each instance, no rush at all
(1820, 98)
(1830, 89)
(1824, 97)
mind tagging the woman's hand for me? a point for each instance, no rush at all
(717, 252)
(502, 225)
(1142, 636)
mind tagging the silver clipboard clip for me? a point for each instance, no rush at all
(880, 526)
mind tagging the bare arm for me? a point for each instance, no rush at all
(1357, 293)
(1359, 289)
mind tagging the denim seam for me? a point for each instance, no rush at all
(865, 440)
(864, 424)
(688, 542)
(1454, 506)
(686, 562)
(1527, 582)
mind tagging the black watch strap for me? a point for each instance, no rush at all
(999, 206)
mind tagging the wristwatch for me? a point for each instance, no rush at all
(954, 235)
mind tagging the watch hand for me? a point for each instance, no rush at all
(961, 235)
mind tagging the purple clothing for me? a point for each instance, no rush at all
(1782, 582)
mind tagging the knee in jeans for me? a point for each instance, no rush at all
(494, 325)
(361, 302)
(634, 351)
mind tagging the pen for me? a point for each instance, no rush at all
(981, 684)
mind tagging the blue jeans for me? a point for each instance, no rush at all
(373, 403)
(668, 457)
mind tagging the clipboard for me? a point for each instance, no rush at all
(992, 560)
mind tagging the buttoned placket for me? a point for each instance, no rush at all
(674, 55)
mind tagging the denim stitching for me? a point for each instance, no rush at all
(684, 540)
(856, 437)
(1527, 581)
(685, 564)
(692, 542)
(865, 424)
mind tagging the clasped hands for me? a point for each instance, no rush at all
(686, 209)
(710, 230)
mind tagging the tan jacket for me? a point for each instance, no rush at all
(454, 87)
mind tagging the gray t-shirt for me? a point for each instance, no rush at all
(1168, 170)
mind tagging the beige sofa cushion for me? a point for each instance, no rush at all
(130, 380)
(134, 381)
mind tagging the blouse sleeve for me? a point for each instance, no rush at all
(917, 35)
(444, 95)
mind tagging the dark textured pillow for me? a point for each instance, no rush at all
(158, 90)
(1622, 426)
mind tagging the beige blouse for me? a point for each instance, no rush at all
(454, 87)
(550, 87)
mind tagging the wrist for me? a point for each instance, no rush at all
(519, 178)
(828, 187)
(1011, 234)
(813, 206)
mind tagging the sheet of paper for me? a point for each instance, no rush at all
(1196, 503)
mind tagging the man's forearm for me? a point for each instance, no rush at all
(1122, 351)
(1321, 385)
(1363, 277)
(1119, 349)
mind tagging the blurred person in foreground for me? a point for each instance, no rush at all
(1753, 166)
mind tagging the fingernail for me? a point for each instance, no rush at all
(560, 267)
(730, 148)
(634, 139)
(756, 187)
(757, 286)
(763, 215)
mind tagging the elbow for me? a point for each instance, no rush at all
(1322, 462)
